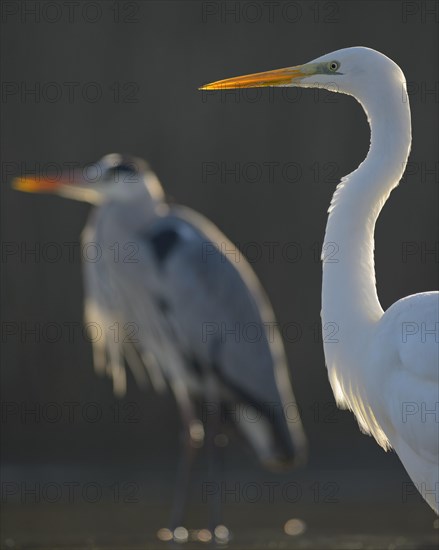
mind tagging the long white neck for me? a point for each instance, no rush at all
(349, 295)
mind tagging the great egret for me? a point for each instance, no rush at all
(384, 367)
(183, 310)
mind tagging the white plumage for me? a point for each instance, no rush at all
(382, 365)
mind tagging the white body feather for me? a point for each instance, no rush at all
(384, 365)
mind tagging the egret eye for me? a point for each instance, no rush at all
(333, 65)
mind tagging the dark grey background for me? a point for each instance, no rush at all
(167, 49)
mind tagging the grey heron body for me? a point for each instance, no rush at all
(181, 305)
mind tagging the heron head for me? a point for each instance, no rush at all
(122, 175)
(352, 71)
(115, 177)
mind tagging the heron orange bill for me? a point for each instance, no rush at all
(278, 77)
(32, 184)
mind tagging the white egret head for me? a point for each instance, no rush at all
(354, 71)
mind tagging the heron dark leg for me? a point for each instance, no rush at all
(215, 468)
(216, 441)
(185, 461)
(192, 436)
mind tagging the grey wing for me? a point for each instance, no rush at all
(221, 316)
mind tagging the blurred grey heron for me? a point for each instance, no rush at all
(180, 296)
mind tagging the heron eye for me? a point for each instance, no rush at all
(333, 65)
(127, 167)
(124, 172)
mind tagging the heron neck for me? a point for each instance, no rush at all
(136, 212)
(349, 294)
